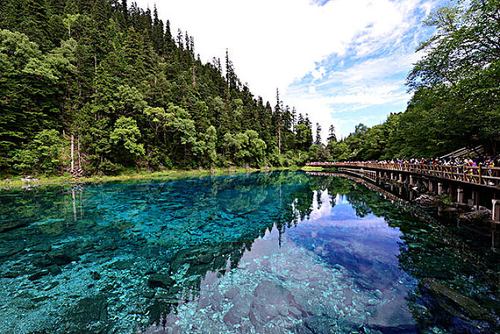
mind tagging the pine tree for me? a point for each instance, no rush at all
(278, 120)
(332, 137)
(318, 134)
(128, 91)
(125, 11)
(180, 45)
(12, 14)
(35, 23)
(158, 33)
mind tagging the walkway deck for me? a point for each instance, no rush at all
(478, 176)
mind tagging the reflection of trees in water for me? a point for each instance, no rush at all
(265, 201)
(206, 225)
(457, 272)
(200, 226)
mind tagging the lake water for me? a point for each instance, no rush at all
(252, 253)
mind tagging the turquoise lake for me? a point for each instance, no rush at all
(249, 253)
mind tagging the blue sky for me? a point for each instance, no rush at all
(341, 61)
(366, 82)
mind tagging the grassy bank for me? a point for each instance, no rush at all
(18, 182)
(312, 169)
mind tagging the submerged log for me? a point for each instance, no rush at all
(455, 303)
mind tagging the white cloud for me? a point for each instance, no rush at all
(371, 70)
(371, 83)
(276, 42)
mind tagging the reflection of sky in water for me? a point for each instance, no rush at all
(366, 247)
(334, 272)
(256, 253)
(340, 237)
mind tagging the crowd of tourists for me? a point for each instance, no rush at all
(486, 162)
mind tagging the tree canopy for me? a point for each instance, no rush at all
(127, 92)
(130, 92)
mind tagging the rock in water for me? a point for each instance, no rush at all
(12, 225)
(89, 312)
(475, 217)
(272, 303)
(427, 200)
(38, 275)
(62, 257)
(95, 275)
(163, 281)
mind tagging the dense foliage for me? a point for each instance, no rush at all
(130, 93)
(456, 85)
(102, 86)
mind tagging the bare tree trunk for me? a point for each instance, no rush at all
(72, 154)
(279, 140)
(79, 154)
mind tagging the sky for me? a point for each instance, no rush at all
(343, 62)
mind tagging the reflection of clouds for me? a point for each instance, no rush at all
(337, 212)
(323, 207)
(341, 199)
(367, 246)
(274, 290)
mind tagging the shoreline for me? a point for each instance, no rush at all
(17, 182)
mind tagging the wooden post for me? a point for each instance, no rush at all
(440, 188)
(460, 195)
(475, 199)
(452, 190)
(432, 187)
(480, 173)
(496, 211)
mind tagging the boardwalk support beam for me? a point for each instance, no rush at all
(496, 211)
(431, 186)
(475, 199)
(460, 196)
(440, 188)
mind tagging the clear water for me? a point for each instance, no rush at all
(256, 253)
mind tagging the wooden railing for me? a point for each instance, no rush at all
(485, 176)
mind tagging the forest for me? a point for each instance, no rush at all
(114, 83)
(99, 86)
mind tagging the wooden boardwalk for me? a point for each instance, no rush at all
(439, 179)
(478, 176)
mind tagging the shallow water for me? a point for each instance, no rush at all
(256, 253)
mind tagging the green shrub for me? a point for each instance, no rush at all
(42, 155)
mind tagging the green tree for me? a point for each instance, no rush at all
(318, 134)
(211, 145)
(125, 138)
(303, 137)
(44, 154)
(112, 76)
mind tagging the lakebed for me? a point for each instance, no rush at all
(259, 252)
